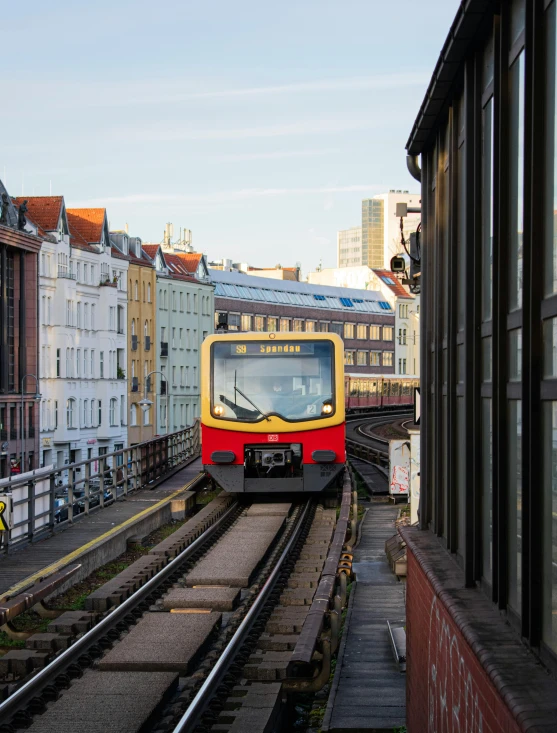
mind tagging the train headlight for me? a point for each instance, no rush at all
(218, 410)
(326, 409)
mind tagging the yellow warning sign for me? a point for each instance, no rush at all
(3, 520)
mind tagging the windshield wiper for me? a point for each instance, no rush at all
(237, 389)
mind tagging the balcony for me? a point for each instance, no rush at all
(134, 343)
(135, 384)
(164, 348)
(108, 283)
(147, 343)
(66, 274)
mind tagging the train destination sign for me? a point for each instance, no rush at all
(251, 348)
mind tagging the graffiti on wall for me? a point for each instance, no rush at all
(453, 701)
(399, 480)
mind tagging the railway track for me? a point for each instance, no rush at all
(362, 444)
(240, 655)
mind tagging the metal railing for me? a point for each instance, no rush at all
(45, 499)
(367, 453)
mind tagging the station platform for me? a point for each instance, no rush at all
(97, 538)
(368, 692)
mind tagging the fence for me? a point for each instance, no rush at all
(367, 453)
(48, 497)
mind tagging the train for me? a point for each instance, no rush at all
(273, 410)
(370, 392)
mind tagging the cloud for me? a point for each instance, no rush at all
(275, 155)
(173, 133)
(224, 196)
(123, 93)
(383, 81)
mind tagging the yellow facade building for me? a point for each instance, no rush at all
(141, 340)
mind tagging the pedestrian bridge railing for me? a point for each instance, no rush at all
(36, 504)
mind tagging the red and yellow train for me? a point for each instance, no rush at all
(273, 409)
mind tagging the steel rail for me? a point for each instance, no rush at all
(33, 688)
(198, 705)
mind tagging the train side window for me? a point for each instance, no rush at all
(354, 388)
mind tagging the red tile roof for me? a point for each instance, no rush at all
(190, 260)
(394, 283)
(115, 252)
(87, 223)
(151, 250)
(43, 210)
(177, 268)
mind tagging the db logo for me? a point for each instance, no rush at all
(272, 438)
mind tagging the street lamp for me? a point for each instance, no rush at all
(37, 398)
(146, 403)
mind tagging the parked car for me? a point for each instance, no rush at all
(61, 508)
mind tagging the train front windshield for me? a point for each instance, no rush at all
(252, 380)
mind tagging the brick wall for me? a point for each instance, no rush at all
(466, 670)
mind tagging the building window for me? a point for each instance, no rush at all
(403, 310)
(195, 302)
(259, 323)
(174, 345)
(55, 414)
(246, 322)
(402, 366)
(78, 363)
(93, 325)
(100, 413)
(374, 357)
(362, 358)
(133, 415)
(402, 336)
(387, 333)
(310, 326)
(112, 411)
(362, 331)
(57, 362)
(348, 330)
(284, 324)
(324, 326)
(388, 358)
(272, 323)
(70, 413)
(173, 300)
(374, 333)
(101, 364)
(181, 302)
(298, 325)
(336, 328)
(349, 357)
(148, 292)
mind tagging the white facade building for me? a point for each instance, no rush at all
(405, 305)
(82, 333)
(349, 247)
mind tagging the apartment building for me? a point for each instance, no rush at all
(82, 332)
(19, 252)
(184, 313)
(141, 320)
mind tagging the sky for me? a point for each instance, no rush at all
(259, 126)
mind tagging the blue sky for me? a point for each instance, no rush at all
(259, 126)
